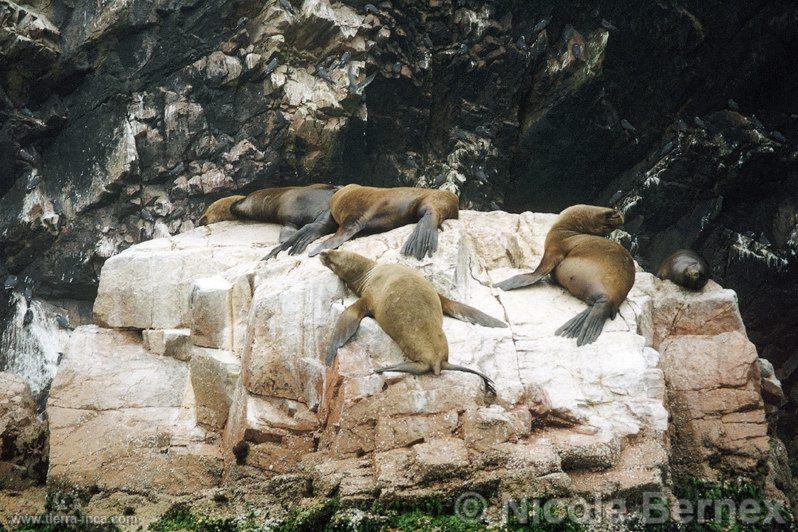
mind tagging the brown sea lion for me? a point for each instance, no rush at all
(307, 207)
(357, 209)
(407, 307)
(685, 268)
(219, 211)
(598, 271)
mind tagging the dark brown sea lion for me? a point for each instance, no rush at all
(357, 209)
(292, 207)
(685, 268)
(598, 271)
(407, 307)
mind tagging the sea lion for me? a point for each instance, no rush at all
(219, 211)
(292, 207)
(685, 268)
(359, 209)
(598, 271)
(407, 307)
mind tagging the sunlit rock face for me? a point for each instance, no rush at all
(121, 121)
(242, 393)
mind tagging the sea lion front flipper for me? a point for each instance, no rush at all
(490, 386)
(414, 368)
(463, 312)
(424, 238)
(346, 327)
(547, 264)
(345, 232)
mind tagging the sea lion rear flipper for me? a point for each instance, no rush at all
(346, 327)
(344, 233)
(286, 232)
(547, 264)
(588, 324)
(490, 386)
(424, 238)
(463, 312)
(571, 328)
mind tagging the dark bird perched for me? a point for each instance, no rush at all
(764, 240)
(463, 48)
(607, 25)
(241, 22)
(541, 25)
(627, 125)
(666, 149)
(28, 294)
(427, 41)
(345, 58)
(59, 359)
(371, 8)
(24, 155)
(578, 50)
(63, 322)
(25, 111)
(146, 215)
(733, 105)
(700, 123)
(480, 174)
(323, 74)
(271, 66)
(778, 136)
(397, 67)
(484, 131)
(521, 43)
(681, 125)
(33, 180)
(354, 87)
(286, 5)
(616, 197)
(57, 207)
(28, 318)
(10, 282)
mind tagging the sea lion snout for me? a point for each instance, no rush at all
(325, 258)
(615, 219)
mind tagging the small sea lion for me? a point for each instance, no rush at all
(407, 307)
(685, 268)
(307, 207)
(598, 271)
(357, 209)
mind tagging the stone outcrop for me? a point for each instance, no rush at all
(242, 394)
(23, 436)
(106, 141)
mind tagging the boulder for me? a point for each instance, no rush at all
(566, 420)
(124, 419)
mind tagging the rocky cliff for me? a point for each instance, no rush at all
(203, 381)
(120, 121)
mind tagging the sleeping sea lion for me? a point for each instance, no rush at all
(407, 307)
(292, 207)
(685, 268)
(357, 209)
(596, 270)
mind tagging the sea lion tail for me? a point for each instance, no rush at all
(423, 240)
(490, 386)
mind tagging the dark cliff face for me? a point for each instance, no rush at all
(119, 124)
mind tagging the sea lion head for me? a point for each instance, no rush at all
(219, 211)
(695, 276)
(590, 219)
(350, 267)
